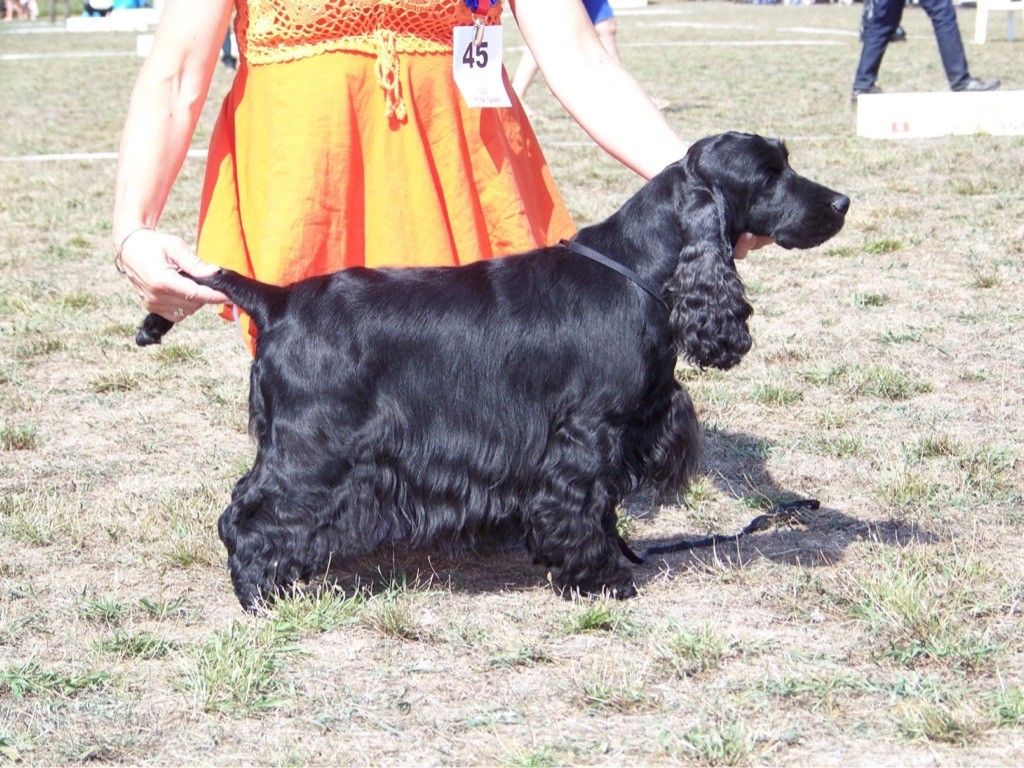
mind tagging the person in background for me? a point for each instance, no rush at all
(97, 7)
(344, 141)
(899, 36)
(603, 19)
(227, 54)
(878, 33)
(21, 9)
(12, 10)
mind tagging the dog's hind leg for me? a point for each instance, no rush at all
(257, 543)
(279, 531)
(251, 559)
(571, 524)
(266, 533)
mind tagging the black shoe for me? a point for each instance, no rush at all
(899, 36)
(974, 85)
(860, 92)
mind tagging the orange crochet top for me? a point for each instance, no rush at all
(344, 142)
(270, 31)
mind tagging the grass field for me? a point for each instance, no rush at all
(885, 381)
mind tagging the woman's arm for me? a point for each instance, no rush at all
(595, 89)
(166, 102)
(600, 94)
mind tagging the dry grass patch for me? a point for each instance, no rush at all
(239, 670)
(930, 606)
(690, 652)
(32, 679)
(18, 437)
(716, 744)
(613, 688)
(936, 723)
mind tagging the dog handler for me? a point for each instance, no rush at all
(345, 139)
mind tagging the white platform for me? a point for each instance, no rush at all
(134, 20)
(985, 7)
(926, 115)
(144, 44)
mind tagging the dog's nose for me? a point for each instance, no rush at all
(841, 203)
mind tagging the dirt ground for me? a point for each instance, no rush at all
(885, 381)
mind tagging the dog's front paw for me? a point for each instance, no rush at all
(258, 585)
(625, 592)
(618, 584)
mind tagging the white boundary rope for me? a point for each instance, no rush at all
(650, 12)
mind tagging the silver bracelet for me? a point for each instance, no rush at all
(118, 263)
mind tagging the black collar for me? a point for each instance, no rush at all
(622, 269)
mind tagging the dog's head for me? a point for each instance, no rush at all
(762, 194)
(724, 186)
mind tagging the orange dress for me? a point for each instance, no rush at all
(345, 142)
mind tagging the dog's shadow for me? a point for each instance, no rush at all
(737, 467)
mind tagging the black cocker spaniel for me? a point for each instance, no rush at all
(513, 399)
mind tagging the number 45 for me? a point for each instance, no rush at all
(475, 55)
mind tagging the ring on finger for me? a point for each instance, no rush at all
(179, 312)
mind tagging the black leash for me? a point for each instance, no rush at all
(788, 511)
(622, 269)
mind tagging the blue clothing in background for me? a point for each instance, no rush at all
(599, 10)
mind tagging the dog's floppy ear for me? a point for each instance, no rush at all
(709, 310)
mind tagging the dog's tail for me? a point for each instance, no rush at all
(261, 301)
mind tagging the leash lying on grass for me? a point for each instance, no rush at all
(789, 510)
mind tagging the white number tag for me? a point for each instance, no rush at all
(477, 66)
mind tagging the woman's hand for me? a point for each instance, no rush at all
(154, 262)
(167, 99)
(747, 243)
